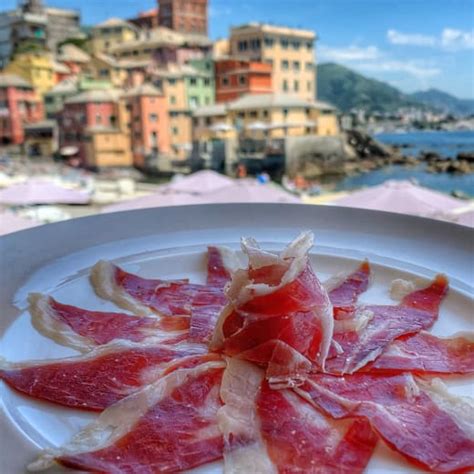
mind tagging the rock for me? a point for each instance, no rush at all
(466, 156)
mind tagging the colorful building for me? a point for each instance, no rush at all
(90, 111)
(149, 123)
(186, 88)
(19, 106)
(73, 57)
(41, 139)
(262, 116)
(36, 68)
(289, 51)
(237, 77)
(163, 46)
(111, 32)
(190, 16)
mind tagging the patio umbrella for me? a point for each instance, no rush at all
(10, 222)
(41, 191)
(250, 190)
(466, 218)
(403, 197)
(157, 199)
(200, 182)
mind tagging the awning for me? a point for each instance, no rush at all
(69, 150)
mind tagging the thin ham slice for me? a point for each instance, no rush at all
(83, 330)
(424, 353)
(373, 327)
(168, 426)
(344, 292)
(98, 379)
(244, 448)
(301, 439)
(421, 421)
(278, 310)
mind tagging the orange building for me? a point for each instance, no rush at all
(19, 106)
(237, 77)
(149, 123)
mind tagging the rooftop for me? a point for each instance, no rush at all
(111, 22)
(68, 85)
(143, 89)
(274, 29)
(60, 67)
(95, 95)
(70, 52)
(252, 101)
(11, 80)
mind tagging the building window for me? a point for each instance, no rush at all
(98, 119)
(242, 45)
(153, 118)
(269, 42)
(175, 130)
(113, 120)
(255, 44)
(269, 61)
(284, 43)
(171, 81)
(225, 81)
(253, 114)
(174, 114)
(296, 86)
(296, 65)
(193, 81)
(309, 86)
(296, 44)
(208, 121)
(194, 101)
(265, 113)
(285, 85)
(309, 66)
(242, 80)
(154, 139)
(285, 113)
(104, 73)
(307, 111)
(309, 45)
(285, 64)
(173, 99)
(207, 82)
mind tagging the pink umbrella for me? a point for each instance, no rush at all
(250, 190)
(158, 199)
(199, 183)
(41, 191)
(466, 218)
(10, 222)
(402, 197)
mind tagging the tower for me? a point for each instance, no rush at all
(190, 16)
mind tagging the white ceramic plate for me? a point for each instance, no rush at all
(170, 243)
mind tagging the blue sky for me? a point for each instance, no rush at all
(412, 44)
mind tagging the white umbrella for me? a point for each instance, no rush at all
(402, 197)
(10, 222)
(198, 183)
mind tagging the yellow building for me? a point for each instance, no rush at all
(36, 68)
(290, 51)
(265, 116)
(111, 33)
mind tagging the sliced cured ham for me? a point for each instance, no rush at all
(278, 310)
(83, 330)
(221, 262)
(244, 448)
(421, 421)
(301, 439)
(96, 380)
(373, 327)
(425, 353)
(168, 426)
(345, 292)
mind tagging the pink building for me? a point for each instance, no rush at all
(149, 123)
(90, 109)
(19, 106)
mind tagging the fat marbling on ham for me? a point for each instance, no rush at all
(278, 315)
(168, 426)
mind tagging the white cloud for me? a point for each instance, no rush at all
(410, 39)
(456, 39)
(350, 53)
(450, 39)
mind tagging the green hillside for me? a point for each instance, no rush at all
(444, 102)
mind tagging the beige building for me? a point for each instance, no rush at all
(111, 33)
(265, 116)
(290, 51)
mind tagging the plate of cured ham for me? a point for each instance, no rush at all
(235, 338)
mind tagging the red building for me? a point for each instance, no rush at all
(19, 106)
(236, 77)
(186, 16)
(90, 109)
(146, 20)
